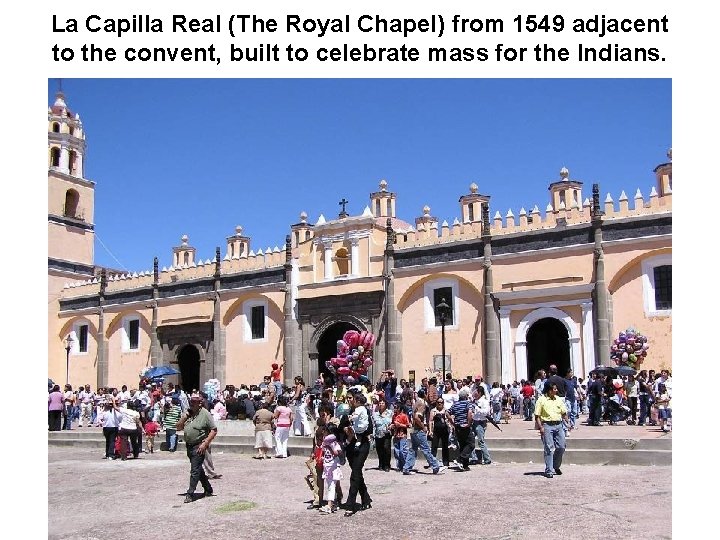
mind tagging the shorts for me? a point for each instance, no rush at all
(665, 413)
(264, 439)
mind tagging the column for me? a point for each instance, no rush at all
(79, 165)
(575, 355)
(521, 361)
(355, 256)
(327, 244)
(64, 159)
(588, 332)
(505, 346)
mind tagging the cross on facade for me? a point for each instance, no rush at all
(342, 203)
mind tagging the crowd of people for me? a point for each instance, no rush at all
(396, 417)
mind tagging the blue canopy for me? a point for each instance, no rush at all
(160, 371)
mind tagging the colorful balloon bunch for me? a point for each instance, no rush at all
(353, 357)
(629, 348)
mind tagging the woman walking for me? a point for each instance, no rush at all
(283, 421)
(110, 420)
(382, 418)
(357, 450)
(130, 428)
(439, 430)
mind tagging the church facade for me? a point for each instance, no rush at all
(518, 292)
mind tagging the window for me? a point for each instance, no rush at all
(443, 293)
(82, 337)
(131, 334)
(256, 322)
(54, 156)
(663, 286)
(435, 291)
(72, 198)
(657, 285)
(389, 207)
(377, 207)
(56, 127)
(471, 212)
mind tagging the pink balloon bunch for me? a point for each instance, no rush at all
(353, 357)
(629, 348)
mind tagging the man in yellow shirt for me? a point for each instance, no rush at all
(550, 412)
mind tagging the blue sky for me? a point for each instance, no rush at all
(200, 156)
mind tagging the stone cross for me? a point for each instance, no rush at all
(342, 203)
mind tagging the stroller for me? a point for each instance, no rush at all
(616, 411)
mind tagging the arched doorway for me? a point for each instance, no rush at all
(327, 345)
(548, 343)
(189, 365)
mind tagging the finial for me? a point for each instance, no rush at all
(238, 230)
(426, 210)
(383, 185)
(184, 239)
(669, 154)
(343, 202)
(303, 217)
(564, 173)
(473, 188)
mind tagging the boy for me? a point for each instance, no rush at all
(151, 429)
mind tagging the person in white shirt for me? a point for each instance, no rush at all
(123, 396)
(130, 428)
(480, 413)
(496, 395)
(87, 401)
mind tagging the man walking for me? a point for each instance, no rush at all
(199, 430)
(550, 412)
(87, 402)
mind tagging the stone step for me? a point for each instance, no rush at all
(580, 451)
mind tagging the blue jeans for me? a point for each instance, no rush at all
(528, 408)
(67, 422)
(572, 408)
(171, 439)
(419, 441)
(553, 446)
(480, 434)
(644, 409)
(400, 449)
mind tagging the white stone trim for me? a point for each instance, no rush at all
(428, 289)
(648, 280)
(505, 347)
(533, 317)
(588, 331)
(561, 290)
(248, 305)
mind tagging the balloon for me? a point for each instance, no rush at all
(351, 337)
(340, 361)
(350, 379)
(360, 350)
(624, 356)
(343, 370)
(364, 379)
(368, 362)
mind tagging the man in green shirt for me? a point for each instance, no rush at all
(198, 431)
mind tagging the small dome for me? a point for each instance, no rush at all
(184, 239)
(473, 187)
(564, 173)
(238, 230)
(383, 185)
(303, 217)
(426, 210)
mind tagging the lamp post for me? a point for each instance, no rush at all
(443, 310)
(68, 345)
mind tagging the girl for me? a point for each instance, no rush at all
(382, 418)
(151, 429)
(332, 473)
(664, 407)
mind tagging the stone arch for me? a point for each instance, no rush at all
(67, 326)
(326, 323)
(403, 301)
(117, 320)
(235, 309)
(617, 278)
(521, 339)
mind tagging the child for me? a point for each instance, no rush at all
(151, 429)
(399, 426)
(664, 407)
(332, 473)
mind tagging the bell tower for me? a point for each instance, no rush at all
(71, 196)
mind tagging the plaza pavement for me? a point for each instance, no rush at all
(89, 497)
